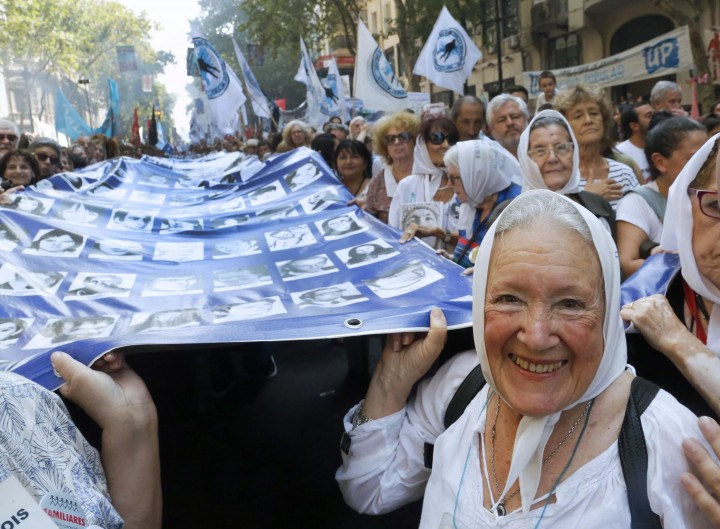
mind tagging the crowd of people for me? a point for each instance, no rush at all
(550, 212)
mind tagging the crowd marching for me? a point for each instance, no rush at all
(549, 212)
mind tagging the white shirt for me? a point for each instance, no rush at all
(635, 210)
(385, 470)
(619, 172)
(637, 154)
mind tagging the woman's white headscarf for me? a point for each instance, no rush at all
(677, 236)
(484, 170)
(422, 165)
(533, 178)
(534, 432)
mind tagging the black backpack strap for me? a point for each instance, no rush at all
(634, 457)
(464, 394)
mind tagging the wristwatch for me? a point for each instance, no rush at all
(359, 418)
(448, 236)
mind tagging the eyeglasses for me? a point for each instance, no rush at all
(403, 137)
(438, 138)
(560, 150)
(12, 138)
(41, 156)
(708, 201)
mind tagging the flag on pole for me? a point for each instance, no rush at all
(333, 103)
(375, 82)
(449, 54)
(69, 122)
(222, 87)
(135, 135)
(307, 75)
(260, 103)
(152, 129)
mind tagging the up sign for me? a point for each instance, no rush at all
(664, 54)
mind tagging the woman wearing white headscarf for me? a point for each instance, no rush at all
(684, 326)
(537, 446)
(481, 176)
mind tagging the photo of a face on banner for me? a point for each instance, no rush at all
(281, 212)
(28, 204)
(321, 200)
(11, 329)
(238, 278)
(179, 225)
(90, 285)
(17, 282)
(65, 330)
(248, 310)
(146, 197)
(78, 213)
(338, 295)
(408, 278)
(366, 253)
(292, 237)
(56, 243)
(173, 285)
(423, 214)
(127, 220)
(303, 267)
(228, 222)
(340, 227)
(116, 249)
(9, 239)
(179, 252)
(154, 180)
(228, 248)
(266, 194)
(302, 176)
(163, 320)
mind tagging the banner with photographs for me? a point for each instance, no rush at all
(220, 249)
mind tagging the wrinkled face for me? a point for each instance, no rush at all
(457, 183)
(8, 140)
(470, 121)
(508, 122)
(48, 160)
(555, 168)
(18, 171)
(547, 85)
(586, 121)
(669, 101)
(57, 243)
(543, 338)
(672, 165)
(706, 239)
(350, 164)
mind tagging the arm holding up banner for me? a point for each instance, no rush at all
(115, 397)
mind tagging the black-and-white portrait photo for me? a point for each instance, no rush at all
(16, 282)
(303, 267)
(321, 200)
(29, 204)
(163, 320)
(407, 278)
(248, 310)
(11, 329)
(423, 214)
(65, 330)
(231, 247)
(302, 176)
(155, 180)
(229, 221)
(79, 213)
(146, 197)
(131, 220)
(266, 194)
(179, 225)
(292, 237)
(331, 296)
(279, 212)
(90, 285)
(179, 252)
(340, 227)
(117, 249)
(173, 285)
(10, 237)
(366, 253)
(56, 243)
(245, 277)
(105, 190)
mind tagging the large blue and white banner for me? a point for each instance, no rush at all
(215, 250)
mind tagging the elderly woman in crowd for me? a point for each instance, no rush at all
(549, 158)
(589, 113)
(428, 186)
(295, 134)
(481, 176)
(353, 162)
(394, 140)
(18, 168)
(538, 445)
(668, 147)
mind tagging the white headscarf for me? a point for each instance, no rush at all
(534, 432)
(531, 171)
(423, 166)
(484, 170)
(677, 236)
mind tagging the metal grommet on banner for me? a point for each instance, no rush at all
(353, 323)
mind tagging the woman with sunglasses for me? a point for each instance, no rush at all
(428, 184)
(47, 153)
(394, 141)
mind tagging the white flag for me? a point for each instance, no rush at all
(448, 57)
(333, 103)
(307, 75)
(222, 87)
(375, 81)
(260, 103)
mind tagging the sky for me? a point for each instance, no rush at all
(172, 36)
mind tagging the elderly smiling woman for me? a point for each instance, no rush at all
(538, 445)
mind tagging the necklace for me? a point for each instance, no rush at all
(501, 509)
(362, 181)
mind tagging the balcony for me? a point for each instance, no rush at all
(549, 15)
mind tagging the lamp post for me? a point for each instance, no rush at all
(85, 81)
(498, 46)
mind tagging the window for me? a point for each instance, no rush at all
(565, 51)
(374, 25)
(507, 10)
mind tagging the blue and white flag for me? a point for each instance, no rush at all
(375, 80)
(222, 87)
(69, 122)
(307, 75)
(260, 103)
(449, 54)
(334, 104)
(220, 249)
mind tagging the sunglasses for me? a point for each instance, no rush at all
(438, 138)
(41, 156)
(403, 137)
(8, 137)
